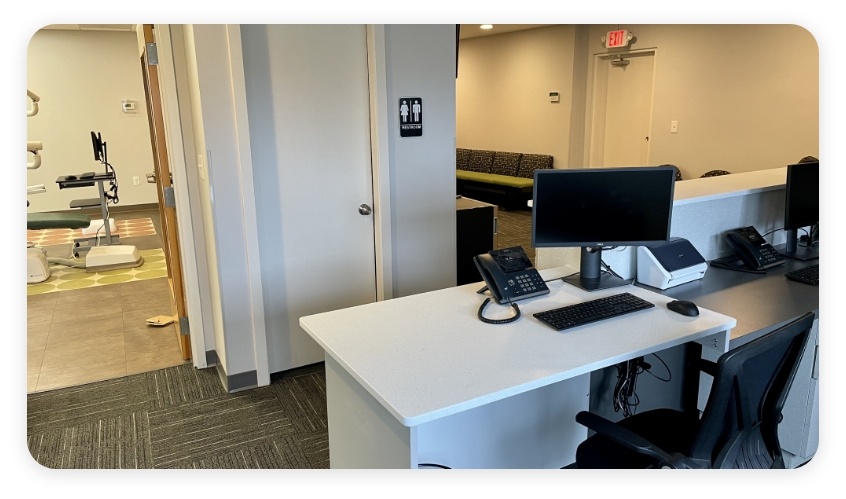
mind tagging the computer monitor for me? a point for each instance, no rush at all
(596, 208)
(802, 209)
(97, 145)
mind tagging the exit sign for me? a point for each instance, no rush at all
(616, 39)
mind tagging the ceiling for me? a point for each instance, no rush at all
(467, 30)
(473, 30)
(92, 27)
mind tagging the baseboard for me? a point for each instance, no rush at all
(236, 382)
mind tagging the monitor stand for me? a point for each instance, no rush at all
(792, 248)
(605, 281)
(590, 276)
(802, 253)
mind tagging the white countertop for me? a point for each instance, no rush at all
(725, 186)
(427, 356)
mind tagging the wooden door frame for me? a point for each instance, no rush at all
(195, 258)
(169, 225)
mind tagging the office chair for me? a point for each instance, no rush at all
(738, 427)
(715, 173)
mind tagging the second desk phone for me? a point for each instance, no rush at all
(754, 251)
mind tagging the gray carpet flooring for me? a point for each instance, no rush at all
(514, 228)
(181, 418)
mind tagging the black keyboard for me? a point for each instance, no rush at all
(591, 311)
(808, 275)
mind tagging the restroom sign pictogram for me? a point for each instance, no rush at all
(411, 116)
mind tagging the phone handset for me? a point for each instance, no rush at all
(509, 275)
(753, 250)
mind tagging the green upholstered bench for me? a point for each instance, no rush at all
(36, 221)
(502, 178)
(493, 178)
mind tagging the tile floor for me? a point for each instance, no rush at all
(83, 335)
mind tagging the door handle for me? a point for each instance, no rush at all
(365, 209)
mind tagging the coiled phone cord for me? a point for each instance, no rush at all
(498, 321)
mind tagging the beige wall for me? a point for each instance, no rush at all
(81, 78)
(746, 97)
(502, 91)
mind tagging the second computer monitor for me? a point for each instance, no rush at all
(802, 209)
(596, 208)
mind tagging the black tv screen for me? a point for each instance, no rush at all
(601, 207)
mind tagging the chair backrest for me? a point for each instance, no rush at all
(739, 426)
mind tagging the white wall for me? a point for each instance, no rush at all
(746, 97)
(224, 192)
(421, 63)
(81, 78)
(502, 92)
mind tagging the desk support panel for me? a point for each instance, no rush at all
(534, 429)
(362, 433)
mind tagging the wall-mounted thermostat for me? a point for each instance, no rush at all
(127, 106)
(553, 97)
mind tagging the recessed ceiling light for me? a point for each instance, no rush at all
(486, 26)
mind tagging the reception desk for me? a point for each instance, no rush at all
(421, 380)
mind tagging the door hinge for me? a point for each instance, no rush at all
(184, 330)
(169, 198)
(152, 54)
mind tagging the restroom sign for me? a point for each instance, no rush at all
(411, 116)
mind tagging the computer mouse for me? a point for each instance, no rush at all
(683, 307)
(70, 177)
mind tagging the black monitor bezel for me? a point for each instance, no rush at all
(794, 191)
(604, 242)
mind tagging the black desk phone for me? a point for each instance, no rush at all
(752, 249)
(509, 275)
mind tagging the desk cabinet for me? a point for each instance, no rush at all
(475, 224)
(419, 379)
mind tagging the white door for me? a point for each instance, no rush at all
(308, 104)
(623, 110)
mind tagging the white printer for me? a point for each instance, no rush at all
(669, 264)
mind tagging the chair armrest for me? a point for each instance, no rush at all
(632, 440)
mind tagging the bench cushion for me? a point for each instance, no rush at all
(493, 178)
(36, 221)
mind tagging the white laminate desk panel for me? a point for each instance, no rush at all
(725, 186)
(427, 356)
